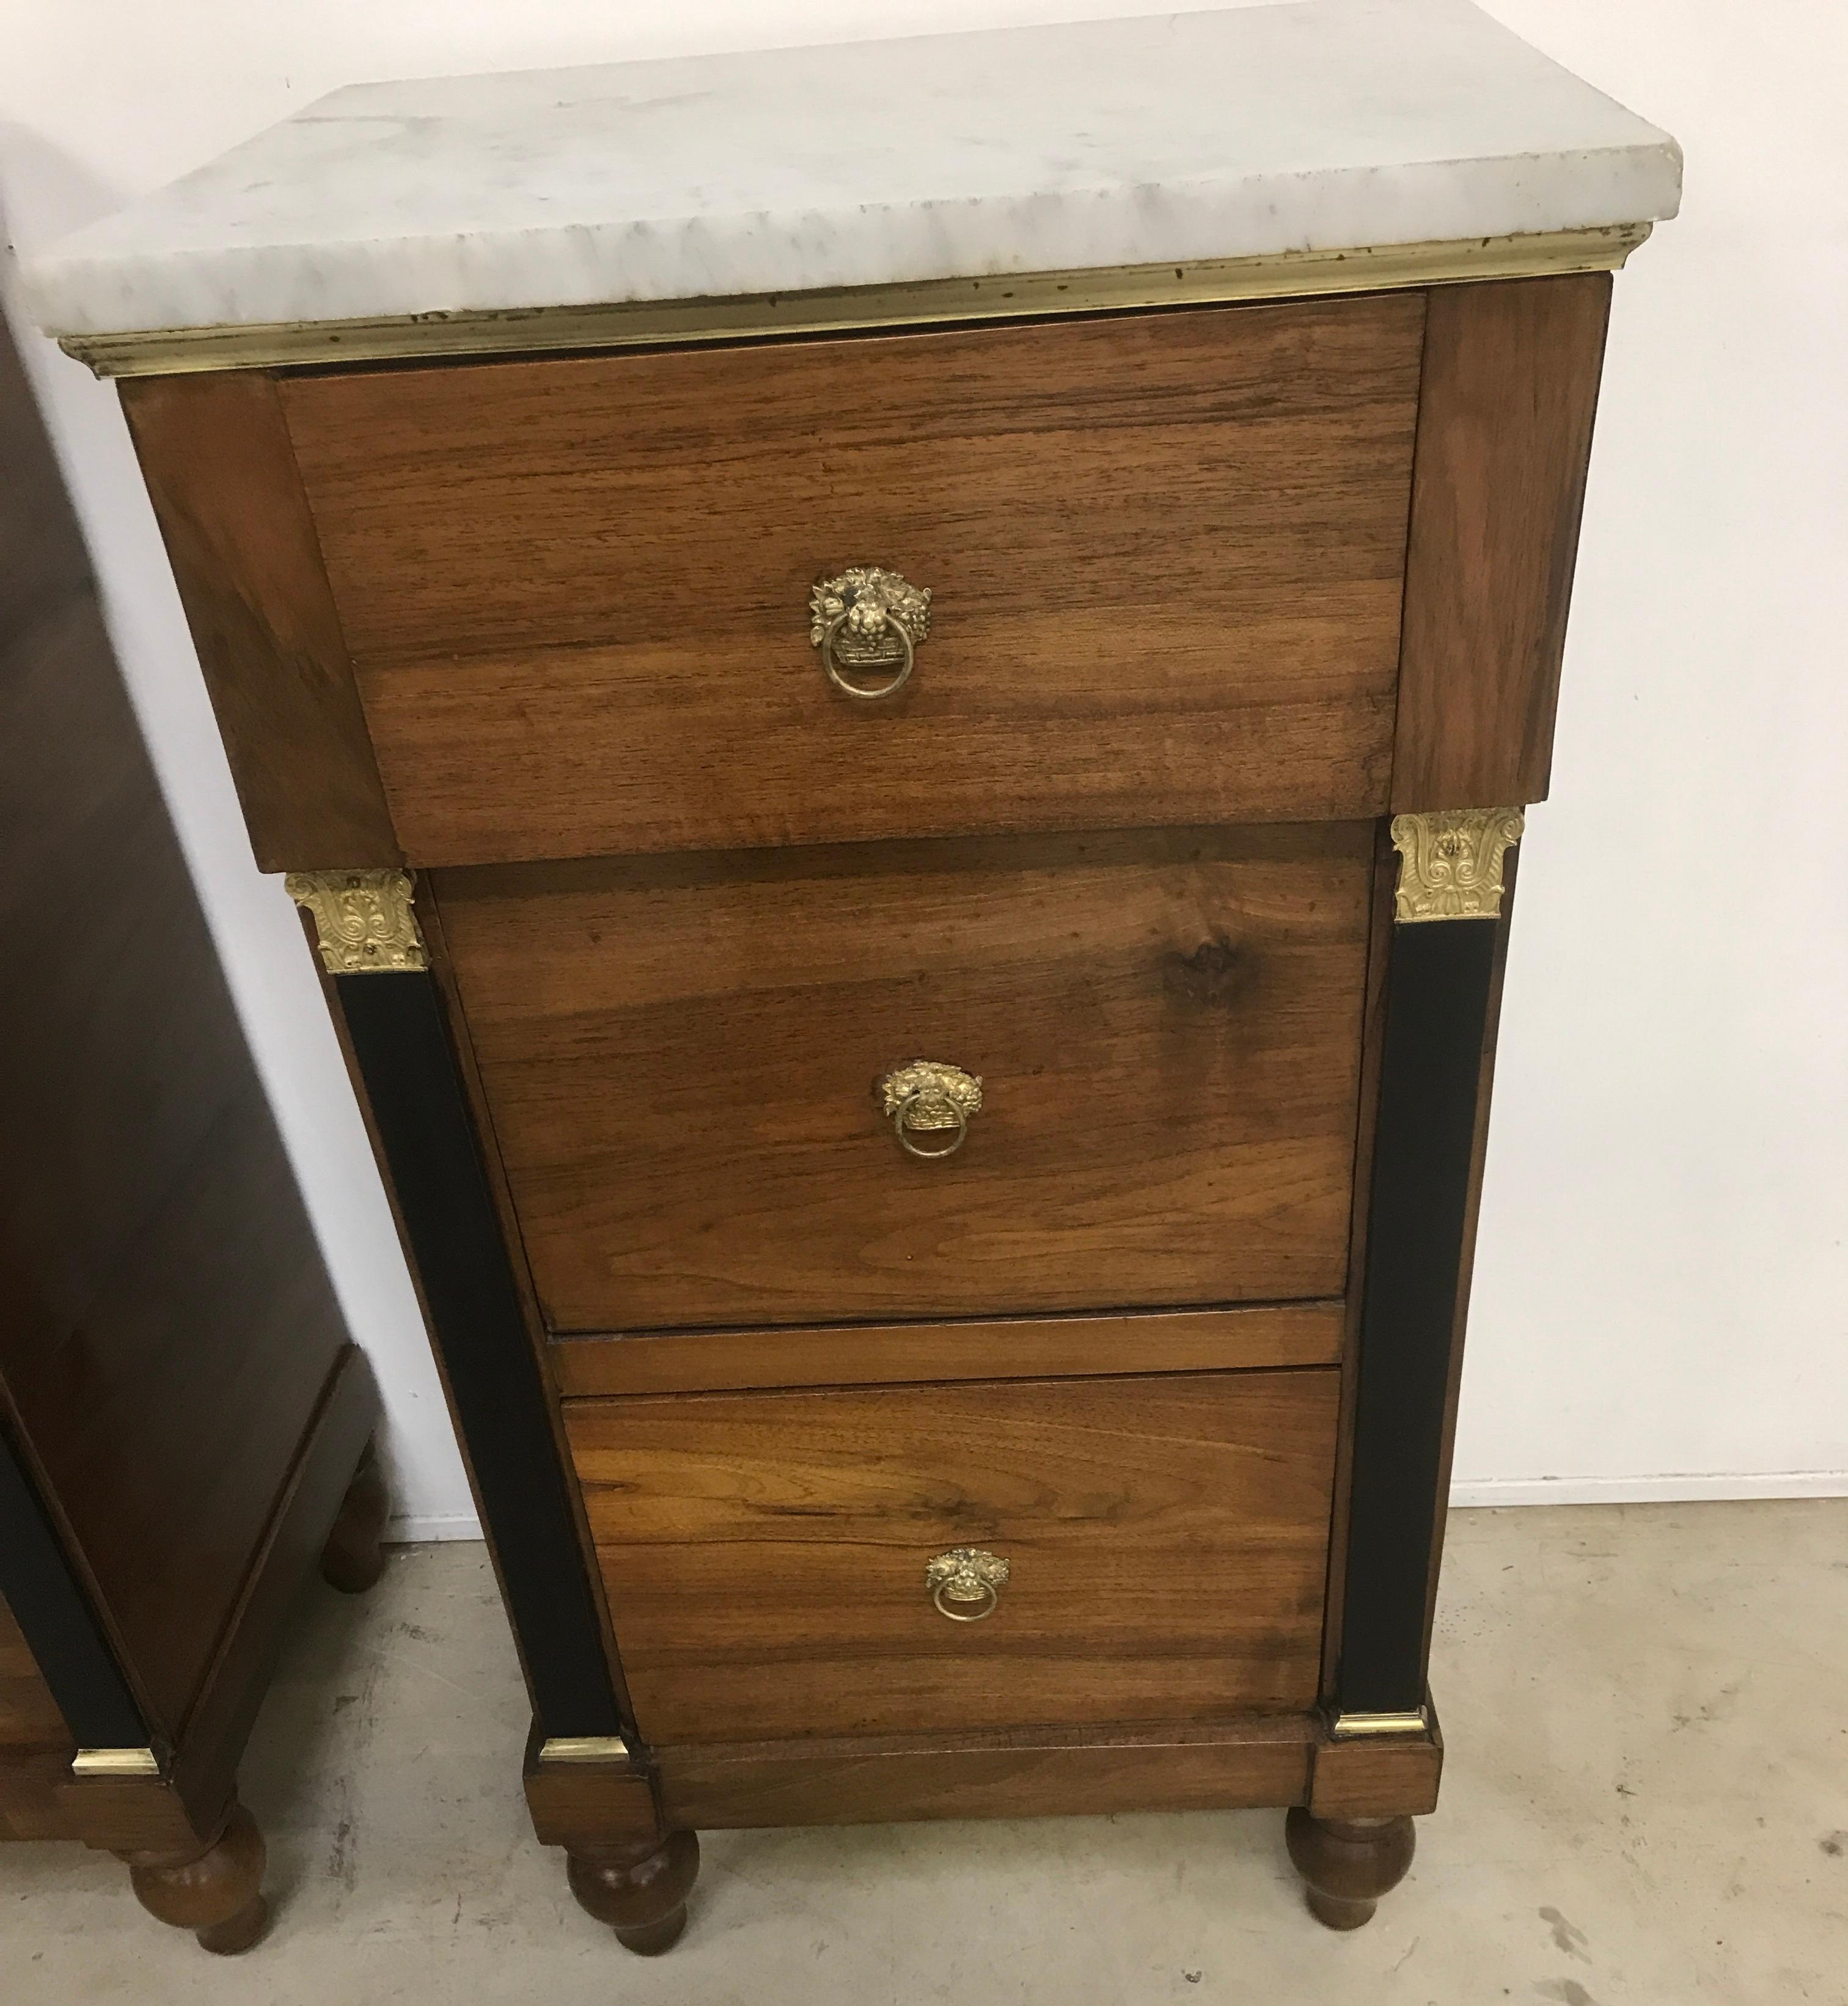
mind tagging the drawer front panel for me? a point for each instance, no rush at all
(1164, 552)
(680, 1058)
(765, 1554)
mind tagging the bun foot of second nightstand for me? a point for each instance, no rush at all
(640, 1892)
(1348, 1863)
(353, 1560)
(215, 1892)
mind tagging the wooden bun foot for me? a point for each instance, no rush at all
(1348, 1865)
(217, 1892)
(353, 1560)
(642, 1895)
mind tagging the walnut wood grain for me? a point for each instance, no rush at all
(764, 1554)
(1165, 552)
(1505, 422)
(216, 455)
(1243, 1339)
(1025, 1772)
(680, 1056)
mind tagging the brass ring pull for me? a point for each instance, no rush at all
(866, 619)
(928, 1098)
(964, 1576)
(913, 1108)
(840, 682)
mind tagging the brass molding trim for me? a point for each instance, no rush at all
(1450, 862)
(1357, 1726)
(626, 324)
(115, 1762)
(585, 1748)
(364, 922)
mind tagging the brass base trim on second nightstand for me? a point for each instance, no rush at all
(115, 1762)
(1354, 1727)
(828, 310)
(586, 1748)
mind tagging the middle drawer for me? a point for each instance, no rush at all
(685, 1060)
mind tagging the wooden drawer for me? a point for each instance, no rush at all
(1165, 553)
(680, 1058)
(765, 1553)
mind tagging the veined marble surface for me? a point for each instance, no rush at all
(1324, 124)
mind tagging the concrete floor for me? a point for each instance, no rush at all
(1646, 1805)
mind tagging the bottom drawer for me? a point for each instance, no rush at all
(765, 1554)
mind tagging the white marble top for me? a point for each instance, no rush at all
(1252, 130)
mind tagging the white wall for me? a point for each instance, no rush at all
(1662, 1290)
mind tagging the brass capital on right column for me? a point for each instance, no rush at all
(1450, 862)
(365, 923)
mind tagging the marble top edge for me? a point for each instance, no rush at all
(1291, 125)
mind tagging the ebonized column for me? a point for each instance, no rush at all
(1439, 986)
(399, 1035)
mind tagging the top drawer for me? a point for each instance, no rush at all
(1163, 551)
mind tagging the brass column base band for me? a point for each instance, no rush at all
(1356, 1726)
(1290, 274)
(115, 1762)
(585, 1748)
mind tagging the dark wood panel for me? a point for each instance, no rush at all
(680, 1057)
(304, 1498)
(215, 451)
(53, 1600)
(169, 1424)
(82, 824)
(533, 1322)
(29, 1716)
(401, 1051)
(1511, 384)
(1245, 1339)
(166, 1322)
(764, 1554)
(1440, 984)
(31, 1784)
(1479, 1149)
(1165, 553)
(1027, 1773)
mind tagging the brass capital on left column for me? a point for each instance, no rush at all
(1450, 862)
(363, 920)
